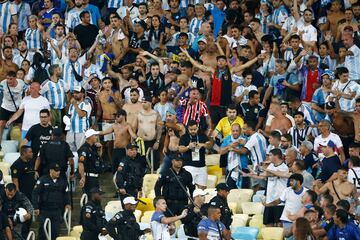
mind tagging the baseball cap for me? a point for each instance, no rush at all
(329, 73)
(131, 145)
(307, 144)
(78, 89)
(199, 192)
(171, 111)
(57, 131)
(330, 105)
(55, 166)
(330, 144)
(91, 132)
(222, 186)
(202, 40)
(129, 200)
(96, 190)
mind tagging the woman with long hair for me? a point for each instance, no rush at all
(302, 230)
(156, 32)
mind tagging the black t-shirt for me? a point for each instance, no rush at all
(198, 83)
(38, 135)
(330, 165)
(86, 35)
(55, 151)
(250, 113)
(188, 156)
(153, 87)
(24, 172)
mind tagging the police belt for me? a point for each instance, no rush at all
(92, 174)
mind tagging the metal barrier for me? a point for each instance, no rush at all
(47, 228)
(31, 236)
(83, 200)
(150, 161)
(67, 220)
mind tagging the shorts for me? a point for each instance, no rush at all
(199, 175)
(5, 115)
(107, 137)
(272, 214)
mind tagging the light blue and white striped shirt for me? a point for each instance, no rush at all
(115, 3)
(18, 58)
(257, 147)
(55, 92)
(33, 38)
(279, 15)
(5, 18)
(352, 63)
(195, 25)
(309, 116)
(349, 87)
(25, 11)
(79, 124)
(73, 18)
(68, 74)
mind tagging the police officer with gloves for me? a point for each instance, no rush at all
(50, 196)
(123, 225)
(18, 208)
(174, 185)
(89, 161)
(130, 173)
(93, 216)
(220, 200)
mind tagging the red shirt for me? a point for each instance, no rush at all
(312, 78)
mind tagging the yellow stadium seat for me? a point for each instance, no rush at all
(215, 170)
(145, 207)
(137, 214)
(233, 207)
(15, 134)
(212, 159)
(211, 181)
(252, 208)
(66, 238)
(257, 221)
(239, 220)
(151, 194)
(146, 218)
(5, 168)
(76, 231)
(239, 196)
(272, 233)
(149, 183)
(149, 236)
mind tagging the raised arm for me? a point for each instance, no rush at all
(157, 59)
(197, 64)
(249, 63)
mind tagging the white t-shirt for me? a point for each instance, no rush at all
(349, 87)
(319, 140)
(276, 185)
(352, 177)
(292, 202)
(7, 102)
(310, 32)
(241, 89)
(32, 108)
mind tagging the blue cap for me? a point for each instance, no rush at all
(330, 144)
(329, 73)
(171, 111)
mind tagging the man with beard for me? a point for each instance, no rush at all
(133, 108)
(300, 131)
(6, 64)
(73, 17)
(123, 135)
(24, 53)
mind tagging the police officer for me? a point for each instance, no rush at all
(93, 216)
(168, 185)
(89, 161)
(123, 225)
(55, 151)
(196, 212)
(23, 173)
(50, 196)
(221, 201)
(11, 201)
(130, 173)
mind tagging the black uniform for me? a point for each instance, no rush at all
(192, 220)
(92, 165)
(123, 226)
(55, 151)
(25, 174)
(9, 207)
(130, 175)
(4, 223)
(176, 198)
(93, 220)
(50, 198)
(226, 213)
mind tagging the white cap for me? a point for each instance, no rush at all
(77, 89)
(91, 132)
(130, 200)
(66, 121)
(199, 192)
(202, 40)
(19, 214)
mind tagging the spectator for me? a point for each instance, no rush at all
(343, 229)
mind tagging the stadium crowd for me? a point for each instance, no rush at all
(268, 88)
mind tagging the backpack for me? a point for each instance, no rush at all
(40, 75)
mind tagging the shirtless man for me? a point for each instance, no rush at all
(349, 21)
(279, 121)
(342, 122)
(150, 128)
(123, 135)
(110, 101)
(119, 41)
(133, 108)
(339, 189)
(334, 16)
(6, 64)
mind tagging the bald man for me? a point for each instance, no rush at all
(30, 106)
